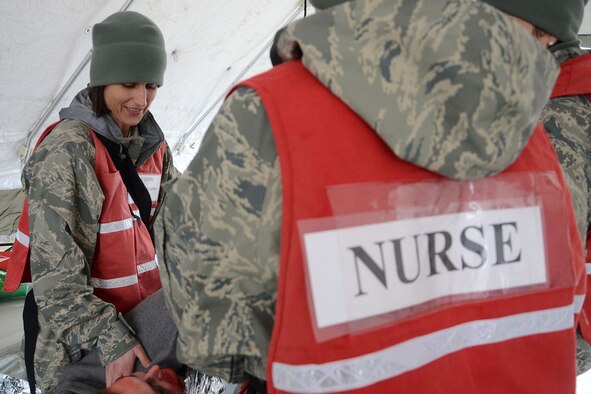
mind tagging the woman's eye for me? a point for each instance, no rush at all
(151, 86)
(129, 85)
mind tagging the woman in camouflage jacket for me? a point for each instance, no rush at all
(66, 200)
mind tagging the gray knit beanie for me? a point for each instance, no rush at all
(127, 47)
(560, 18)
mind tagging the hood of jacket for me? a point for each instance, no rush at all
(438, 80)
(148, 129)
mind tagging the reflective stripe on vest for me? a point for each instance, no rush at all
(114, 227)
(22, 238)
(124, 281)
(372, 368)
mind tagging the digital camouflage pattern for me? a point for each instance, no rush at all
(452, 86)
(568, 122)
(65, 202)
(218, 244)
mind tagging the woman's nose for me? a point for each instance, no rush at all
(141, 95)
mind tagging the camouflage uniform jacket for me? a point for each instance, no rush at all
(65, 202)
(568, 123)
(461, 84)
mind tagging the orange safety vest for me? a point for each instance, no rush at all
(124, 269)
(575, 80)
(493, 345)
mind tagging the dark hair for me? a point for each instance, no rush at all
(539, 33)
(97, 98)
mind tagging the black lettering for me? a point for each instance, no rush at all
(380, 273)
(473, 246)
(442, 253)
(400, 263)
(500, 243)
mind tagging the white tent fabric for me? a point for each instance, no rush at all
(586, 25)
(44, 61)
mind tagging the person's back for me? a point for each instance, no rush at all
(444, 85)
(415, 280)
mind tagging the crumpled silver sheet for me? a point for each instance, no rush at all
(200, 383)
(195, 383)
(10, 385)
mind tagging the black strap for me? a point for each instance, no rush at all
(31, 328)
(256, 385)
(131, 179)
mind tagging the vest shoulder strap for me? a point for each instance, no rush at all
(135, 187)
(574, 78)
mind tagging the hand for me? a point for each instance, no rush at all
(123, 366)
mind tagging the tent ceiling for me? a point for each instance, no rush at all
(44, 51)
(44, 48)
(586, 25)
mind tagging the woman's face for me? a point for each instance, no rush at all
(129, 102)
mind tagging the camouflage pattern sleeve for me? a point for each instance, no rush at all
(169, 171)
(217, 239)
(568, 122)
(65, 202)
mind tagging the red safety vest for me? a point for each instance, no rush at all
(321, 142)
(575, 80)
(124, 268)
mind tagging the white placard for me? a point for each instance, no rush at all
(152, 183)
(364, 271)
